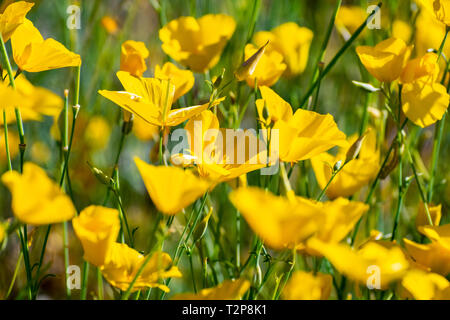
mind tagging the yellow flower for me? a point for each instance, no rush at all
(9, 99)
(275, 107)
(132, 57)
(356, 173)
(386, 60)
(269, 68)
(307, 134)
(249, 65)
(36, 199)
(401, 30)
(110, 24)
(151, 99)
(435, 255)
(435, 213)
(183, 80)
(227, 290)
(340, 216)
(424, 68)
(171, 188)
(307, 286)
(280, 222)
(13, 141)
(424, 102)
(143, 130)
(440, 9)
(385, 262)
(218, 155)
(13, 17)
(34, 54)
(292, 42)
(197, 43)
(97, 228)
(125, 262)
(429, 33)
(97, 133)
(421, 285)
(349, 18)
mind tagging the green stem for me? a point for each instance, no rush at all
(8, 155)
(84, 281)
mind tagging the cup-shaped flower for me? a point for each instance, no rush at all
(435, 255)
(272, 107)
(34, 54)
(151, 99)
(292, 42)
(13, 17)
(269, 69)
(440, 9)
(421, 285)
(97, 228)
(375, 263)
(356, 173)
(386, 60)
(170, 188)
(227, 290)
(307, 286)
(280, 222)
(424, 102)
(132, 57)
(197, 43)
(125, 262)
(348, 20)
(429, 33)
(307, 134)
(36, 199)
(183, 80)
(425, 68)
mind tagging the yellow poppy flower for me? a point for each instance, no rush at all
(307, 286)
(219, 155)
(275, 107)
(125, 262)
(402, 30)
(171, 188)
(435, 255)
(356, 173)
(292, 42)
(422, 218)
(340, 216)
(425, 68)
(280, 222)
(424, 102)
(13, 17)
(227, 290)
(307, 134)
(384, 263)
(151, 99)
(269, 69)
(429, 33)
(36, 199)
(197, 43)
(34, 54)
(13, 141)
(132, 57)
(440, 9)
(421, 285)
(97, 228)
(386, 60)
(183, 80)
(110, 24)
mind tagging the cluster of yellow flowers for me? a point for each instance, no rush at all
(283, 222)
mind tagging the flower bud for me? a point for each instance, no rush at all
(354, 150)
(249, 65)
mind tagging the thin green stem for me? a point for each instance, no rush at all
(8, 154)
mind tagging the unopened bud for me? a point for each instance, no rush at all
(200, 230)
(101, 176)
(219, 79)
(354, 150)
(249, 65)
(66, 93)
(391, 164)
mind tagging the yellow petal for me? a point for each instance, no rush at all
(97, 228)
(13, 17)
(171, 188)
(421, 285)
(269, 69)
(306, 286)
(183, 80)
(132, 57)
(36, 199)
